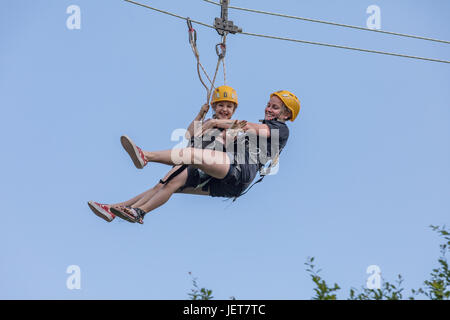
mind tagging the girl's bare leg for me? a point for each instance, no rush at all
(212, 162)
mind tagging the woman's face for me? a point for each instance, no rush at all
(224, 109)
(274, 109)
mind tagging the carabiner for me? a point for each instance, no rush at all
(192, 32)
(223, 49)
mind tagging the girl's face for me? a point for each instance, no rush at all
(274, 109)
(224, 109)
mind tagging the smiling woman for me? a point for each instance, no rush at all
(223, 167)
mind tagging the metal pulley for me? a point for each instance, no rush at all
(222, 24)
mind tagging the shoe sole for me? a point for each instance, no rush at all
(122, 215)
(97, 211)
(132, 151)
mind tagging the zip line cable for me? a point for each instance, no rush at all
(295, 40)
(169, 13)
(330, 23)
(344, 47)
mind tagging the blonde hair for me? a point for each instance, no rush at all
(286, 110)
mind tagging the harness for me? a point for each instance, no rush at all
(263, 172)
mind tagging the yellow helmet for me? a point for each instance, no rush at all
(290, 100)
(224, 93)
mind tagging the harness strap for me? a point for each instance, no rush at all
(184, 166)
(262, 174)
(248, 189)
(174, 174)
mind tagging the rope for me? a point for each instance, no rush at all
(224, 39)
(221, 56)
(169, 13)
(295, 40)
(332, 23)
(224, 73)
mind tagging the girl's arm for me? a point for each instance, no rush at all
(201, 114)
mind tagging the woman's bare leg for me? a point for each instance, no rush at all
(212, 162)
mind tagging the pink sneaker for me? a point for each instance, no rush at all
(134, 151)
(102, 210)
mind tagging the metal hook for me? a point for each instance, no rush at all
(192, 32)
(223, 50)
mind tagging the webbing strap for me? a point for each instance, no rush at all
(248, 189)
(174, 174)
(262, 174)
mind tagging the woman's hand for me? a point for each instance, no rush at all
(239, 125)
(202, 127)
(231, 133)
(208, 125)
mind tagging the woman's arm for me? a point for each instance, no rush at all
(259, 128)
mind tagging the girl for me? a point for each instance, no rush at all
(224, 103)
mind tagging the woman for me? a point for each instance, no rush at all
(224, 103)
(222, 173)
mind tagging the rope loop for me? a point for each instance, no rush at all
(221, 49)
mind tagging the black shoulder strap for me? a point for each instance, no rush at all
(258, 181)
(174, 174)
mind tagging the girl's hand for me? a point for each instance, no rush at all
(204, 110)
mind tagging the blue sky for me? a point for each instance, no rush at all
(365, 171)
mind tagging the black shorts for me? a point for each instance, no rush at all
(232, 185)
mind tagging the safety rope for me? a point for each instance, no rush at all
(193, 42)
(224, 48)
(220, 51)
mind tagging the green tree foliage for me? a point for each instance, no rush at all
(435, 288)
(322, 290)
(438, 286)
(388, 291)
(198, 293)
